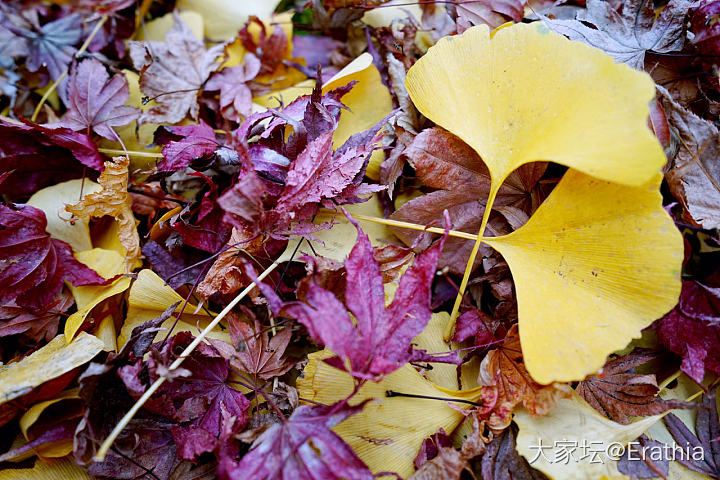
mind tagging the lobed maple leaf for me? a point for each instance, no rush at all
(379, 342)
(254, 352)
(51, 45)
(173, 72)
(449, 463)
(96, 101)
(183, 144)
(300, 448)
(705, 28)
(204, 405)
(502, 461)
(627, 35)
(618, 393)
(235, 93)
(33, 266)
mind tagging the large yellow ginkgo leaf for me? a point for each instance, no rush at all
(527, 94)
(547, 441)
(388, 432)
(594, 265)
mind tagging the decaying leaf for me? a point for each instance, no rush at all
(115, 201)
(503, 368)
(173, 72)
(618, 393)
(628, 34)
(97, 102)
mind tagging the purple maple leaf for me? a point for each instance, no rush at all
(33, 265)
(379, 342)
(203, 403)
(184, 144)
(235, 93)
(301, 448)
(96, 101)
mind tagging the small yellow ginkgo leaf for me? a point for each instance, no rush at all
(527, 94)
(594, 265)
(388, 432)
(149, 297)
(574, 423)
(113, 200)
(49, 362)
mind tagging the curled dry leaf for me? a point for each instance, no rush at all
(115, 201)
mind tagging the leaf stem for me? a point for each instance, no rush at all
(102, 452)
(55, 84)
(411, 226)
(471, 261)
(132, 153)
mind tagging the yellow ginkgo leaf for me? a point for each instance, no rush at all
(594, 265)
(62, 469)
(107, 263)
(49, 362)
(155, 30)
(52, 201)
(527, 94)
(223, 18)
(70, 399)
(368, 102)
(388, 432)
(150, 296)
(113, 200)
(546, 441)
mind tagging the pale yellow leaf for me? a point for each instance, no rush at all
(49, 362)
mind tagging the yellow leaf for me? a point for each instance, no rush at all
(155, 30)
(388, 432)
(107, 263)
(49, 362)
(368, 102)
(392, 10)
(223, 18)
(52, 201)
(113, 200)
(62, 469)
(594, 265)
(149, 297)
(236, 51)
(529, 94)
(52, 449)
(575, 422)
(340, 239)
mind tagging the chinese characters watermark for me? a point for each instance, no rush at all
(574, 451)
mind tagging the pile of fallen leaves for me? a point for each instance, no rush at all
(359, 239)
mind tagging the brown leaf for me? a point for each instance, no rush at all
(443, 161)
(115, 201)
(618, 394)
(502, 461)
(504, 369)
(173, 72)
(694, 176)
(254, 352)
(449, 462)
